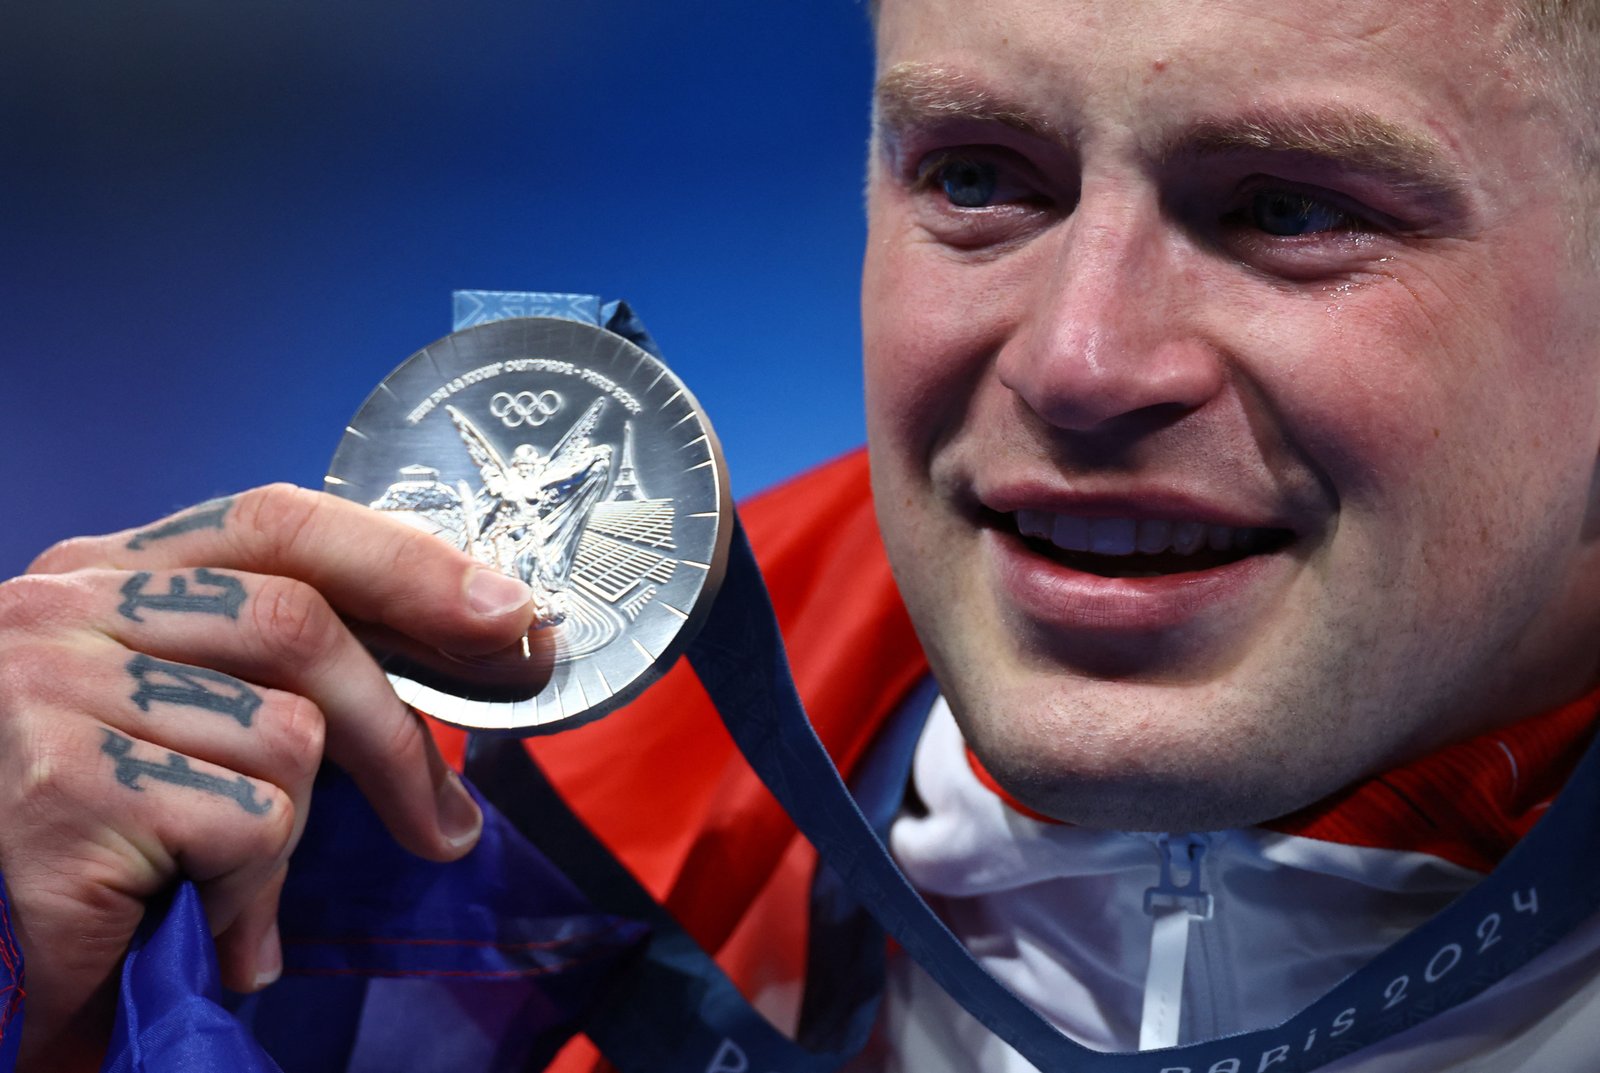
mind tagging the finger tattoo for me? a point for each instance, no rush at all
(208, 515)
(227, 600)
(176, 770)
(194, 687)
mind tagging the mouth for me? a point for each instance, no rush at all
(1137, 547)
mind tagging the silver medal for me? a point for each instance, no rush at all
(564, 455)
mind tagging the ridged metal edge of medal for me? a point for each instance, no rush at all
(565, 455)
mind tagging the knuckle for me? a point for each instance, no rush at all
(429, 563)
(65, 555)
(33, 600)
(49, 785)
(32, 670)
(293, 621)
(401, 739)
(272, 837)
(410, 551)
(22, 599)
(278, 515)
(79, 906)
(232, 838)
(299, 734)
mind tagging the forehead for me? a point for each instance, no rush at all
(1254, 32)
(1429, 64)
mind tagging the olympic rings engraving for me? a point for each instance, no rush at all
(525, 407)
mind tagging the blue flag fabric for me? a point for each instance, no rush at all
(10, 989)
(169, 1016)
(391, 962)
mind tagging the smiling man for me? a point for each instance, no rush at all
(1233, 392)
(1233, 388)
(1232, 381)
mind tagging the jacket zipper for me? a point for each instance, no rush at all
(1174, 904)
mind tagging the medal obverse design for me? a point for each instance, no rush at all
(561, 454)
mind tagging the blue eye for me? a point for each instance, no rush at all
(1288, 213)
(969, 184)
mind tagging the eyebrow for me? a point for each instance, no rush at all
(912, 95)
(1344, 137)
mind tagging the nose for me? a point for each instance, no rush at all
(1110, 329)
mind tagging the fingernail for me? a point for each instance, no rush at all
(492, 594)
(459, 819)
(269, 959)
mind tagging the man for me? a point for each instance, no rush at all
(1234, 406)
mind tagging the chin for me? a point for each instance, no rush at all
(1150, 802)
(1145, 774)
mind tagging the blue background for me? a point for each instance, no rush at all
(224, 223)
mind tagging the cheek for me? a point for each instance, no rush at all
(930, 327)
(1390, 389)
(1437, 409)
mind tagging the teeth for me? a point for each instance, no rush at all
(1188, 538)
(1154, 536)
(1034, 523)
(1111, 536)
(1070, 533)
(1125, 536)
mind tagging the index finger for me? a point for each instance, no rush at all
(368, 565)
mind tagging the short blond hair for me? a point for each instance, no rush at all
(1564, 36)
(1559, 42)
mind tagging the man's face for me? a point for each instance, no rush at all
(1282, 300)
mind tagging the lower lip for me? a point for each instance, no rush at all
(1061, 598)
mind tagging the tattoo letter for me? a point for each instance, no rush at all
(177, 771)
(196, 687)
(226, 601)
(205, 516)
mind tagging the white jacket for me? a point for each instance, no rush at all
(1059, 915)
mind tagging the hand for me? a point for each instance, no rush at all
(166, 697)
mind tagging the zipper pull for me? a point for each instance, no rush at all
(1173, 906)
(1180, 853)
